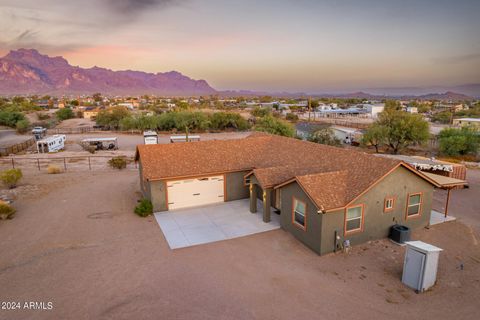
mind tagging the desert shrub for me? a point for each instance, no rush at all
(325, 136)
(64, 114)
(459, 141)
(144, 208)
(117, 163)
(22, 126)
(261, 112)
(291, 117)
(228, 120)
(43, 116)
(53, 169)
(6, 211)
(276, 126)
(11, 177)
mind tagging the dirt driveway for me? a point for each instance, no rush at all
(76, 243)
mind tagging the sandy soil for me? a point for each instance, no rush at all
(10, 137)
(75, 242)
(75, 123)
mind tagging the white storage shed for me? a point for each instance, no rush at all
(420, 265)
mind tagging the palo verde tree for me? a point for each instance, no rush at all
(399, 129)
(375, 136)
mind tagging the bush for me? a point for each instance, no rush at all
(53, 169)
(6, 211)
(291, 117)
(459, 142)
(22, 126)
(276, 126)
(117, 163)
(11, 177)
(325, 136)
(228, 120)
(144, 208)
(261, 112)
(64, 114)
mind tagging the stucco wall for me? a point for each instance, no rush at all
(311, 236)
(234, 186)
(377, 223)
(158, 195)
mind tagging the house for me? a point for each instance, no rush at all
(90, 113)
(324, 195)
(467, 122)
(374, 109)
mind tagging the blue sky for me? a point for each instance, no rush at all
(302, 45)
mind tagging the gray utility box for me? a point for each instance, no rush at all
(420, 265)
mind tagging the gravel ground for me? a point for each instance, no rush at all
(75, 242)
(10, 137)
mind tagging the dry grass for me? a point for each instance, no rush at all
(53, 169)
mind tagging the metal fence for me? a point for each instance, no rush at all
(72, 163)
(18, 147)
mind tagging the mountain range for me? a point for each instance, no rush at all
(26, 71)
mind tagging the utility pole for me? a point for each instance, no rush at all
(309, 107)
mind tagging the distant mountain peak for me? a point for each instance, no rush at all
(27, 71)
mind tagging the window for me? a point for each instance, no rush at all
(414, 204)
(299, 213)
(389, 204)
(353, 219)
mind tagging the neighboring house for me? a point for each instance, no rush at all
(411, 109)
(374, 109)
(467, 122)
(324, 195)
(90, 113)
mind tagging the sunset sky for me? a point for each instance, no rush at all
(291, 45)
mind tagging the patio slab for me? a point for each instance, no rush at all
(200, 225)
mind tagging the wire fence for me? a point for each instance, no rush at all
(71, 163)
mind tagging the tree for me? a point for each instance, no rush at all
(403, 129)
(64, 114)
(442, 117)
(392, 105)
(459, 141)
(276, 126)
(375, 136)
(111, 118)
(325, 136)
(22, 126)
(97, 97)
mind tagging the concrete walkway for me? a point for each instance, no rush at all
(199, 225)
(437, 218)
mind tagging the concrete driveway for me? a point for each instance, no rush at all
(199, 225)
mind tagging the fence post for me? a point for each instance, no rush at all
(13, 163)
(38, 163)
(89, 164)
(65, 163)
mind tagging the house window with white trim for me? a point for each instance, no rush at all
(353, 218)
(414, 204)
(299, 213)
(389, 203)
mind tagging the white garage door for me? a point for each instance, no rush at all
(194, 192)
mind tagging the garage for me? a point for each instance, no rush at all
(195, 192)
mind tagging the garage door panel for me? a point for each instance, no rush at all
(195, 192)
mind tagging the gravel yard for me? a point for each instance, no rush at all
(76, 243)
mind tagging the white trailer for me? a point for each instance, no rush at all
(54, 143)
(175, 139)
(150, 137)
